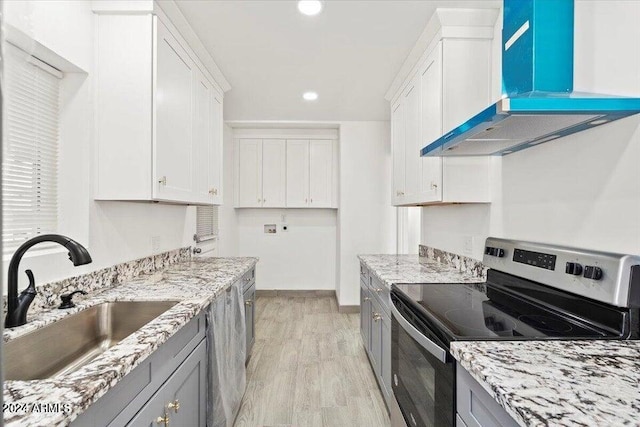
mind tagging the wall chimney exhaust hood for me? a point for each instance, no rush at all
(539, 104)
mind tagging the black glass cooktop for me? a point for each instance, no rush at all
(504, 308)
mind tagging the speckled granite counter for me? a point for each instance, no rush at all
(415, 269)
(560, 383)
(194, 283)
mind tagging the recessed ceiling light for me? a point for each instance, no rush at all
(598, 122)
(310, 96)
(310, 7)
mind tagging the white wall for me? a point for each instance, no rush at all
(227, 216)
(366, 219)
(112, 231)
(302, 258)
(582, 190)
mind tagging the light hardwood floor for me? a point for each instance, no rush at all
(309, 368)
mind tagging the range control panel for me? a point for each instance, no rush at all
(606, 277)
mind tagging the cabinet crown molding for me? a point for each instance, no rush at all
(445, 23)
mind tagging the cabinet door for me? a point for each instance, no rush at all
(249, 317)
(202, 149)
(365, 315)
(249, 173)
(217, 149)
(411, 101)
(320, 173)
(431, 94)
(376, 337)
(386, 356)
(273, 173)
(297, 173)
(173, 136)
(187, 388)
(399, 154)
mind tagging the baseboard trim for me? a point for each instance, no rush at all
(348, 309)
(294, 293)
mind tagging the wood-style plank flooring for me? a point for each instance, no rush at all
(309, 368)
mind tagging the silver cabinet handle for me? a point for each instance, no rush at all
(379, 290)
(367, 299)
(163, 180)
(248, 303)
(213, 191)
(376, 317)
(434, 186)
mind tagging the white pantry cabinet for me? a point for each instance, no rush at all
(261, 173)
(158, 115)
(291, 173)
(451, 82)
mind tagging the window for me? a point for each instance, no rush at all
(206, 223)
(30, 148)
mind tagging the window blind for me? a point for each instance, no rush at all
(206, 223)
(30, 148)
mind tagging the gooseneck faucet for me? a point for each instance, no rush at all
(17, 306)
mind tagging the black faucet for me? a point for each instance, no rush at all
(17, 306)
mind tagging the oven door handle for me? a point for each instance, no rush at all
(433, 348)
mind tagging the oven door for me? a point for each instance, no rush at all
(423, 372)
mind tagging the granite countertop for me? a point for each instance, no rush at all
(195, 284)
(392, 269)
(563, 383)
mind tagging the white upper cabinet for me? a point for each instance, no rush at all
(321, 173)
(174, 142)
(261, 173)
(450, 82)
(273, 173)
(399, 152)
(158, 115)
(249, 173)
(292, 173)
(297, 173)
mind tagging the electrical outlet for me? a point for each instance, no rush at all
(156, 242)
(270, 229)
(468, 245)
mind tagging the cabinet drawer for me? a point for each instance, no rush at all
(364, 273)
(248, 279)
(475, 406)
(381, 293)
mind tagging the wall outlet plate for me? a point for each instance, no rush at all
(270, 229)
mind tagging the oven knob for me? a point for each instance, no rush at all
(591, 272)
(573, 268)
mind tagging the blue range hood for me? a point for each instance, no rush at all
(539, 104)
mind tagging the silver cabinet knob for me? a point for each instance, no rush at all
(376, 317)
(162, 180)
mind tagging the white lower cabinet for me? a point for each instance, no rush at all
(158, 115)
(449, 84)
(292, 173)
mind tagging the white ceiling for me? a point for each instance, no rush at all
(349, 54)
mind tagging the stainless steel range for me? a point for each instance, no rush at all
(533, 292)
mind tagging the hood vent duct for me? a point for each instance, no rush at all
(538, 103)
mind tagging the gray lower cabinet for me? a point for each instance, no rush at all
(168, 374)
(181, 401)
(375, 328)
(365, 316)
(476, 407)
(249, 297)
(250, 316)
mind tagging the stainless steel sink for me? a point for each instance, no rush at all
(66, 345)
